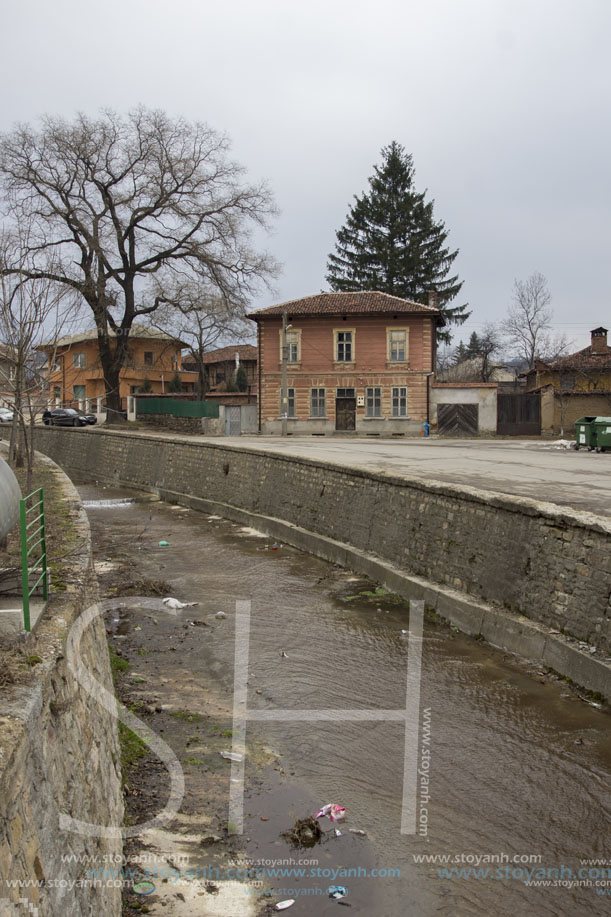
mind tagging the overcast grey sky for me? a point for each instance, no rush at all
(504, 105)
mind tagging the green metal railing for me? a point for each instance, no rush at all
(33, 537)
(176, 407)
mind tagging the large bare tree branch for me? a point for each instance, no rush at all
(127, 204)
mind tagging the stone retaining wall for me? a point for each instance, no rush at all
(59, 755)
(548, 563)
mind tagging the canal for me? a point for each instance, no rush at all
(518, 763)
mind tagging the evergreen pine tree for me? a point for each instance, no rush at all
(175, 384)
(241, 379)
(474, 347)
(392, 243)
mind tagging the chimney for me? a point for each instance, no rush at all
(433, 299)
(599, 341)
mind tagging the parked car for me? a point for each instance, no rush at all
(5, 415)
(67, 417)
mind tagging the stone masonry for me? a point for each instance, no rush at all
(59, 754)
(550, 564)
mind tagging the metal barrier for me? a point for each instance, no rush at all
(32, 537)
(176, 408)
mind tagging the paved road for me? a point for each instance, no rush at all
(529, 468)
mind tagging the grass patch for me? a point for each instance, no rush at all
(187, 715)
(33, 659)
(117, 663)
(195, 761)
(132, 748)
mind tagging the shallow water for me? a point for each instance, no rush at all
(519, 766)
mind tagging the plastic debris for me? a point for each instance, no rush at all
(332, 811)
(232, 756)
(275, 547)
(282, 905)
(284, 655)
(175, 603)
(338, 833)
(357, 831)
(337, 891)
(220, 615)
(164, 544)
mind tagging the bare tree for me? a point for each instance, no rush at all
(527, 326)
(30, 311)
(489, 345)
(123, 201)
(202, 320)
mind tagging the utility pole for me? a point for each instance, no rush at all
(284, 400)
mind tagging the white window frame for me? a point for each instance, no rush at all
(391, 357)
(399, 401)
(290, 402)
(317, 400)
(293, 344)
(337, 342)
(373, 401)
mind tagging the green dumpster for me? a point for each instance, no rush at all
(602, 433)
(585, 433)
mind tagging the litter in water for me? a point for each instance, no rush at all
(164, 544)
(337, 891)
(357, 831)
(220, 615)
(232, 756)
(174, 603)
(332, 811)
(282, 905)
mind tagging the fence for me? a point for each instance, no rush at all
(176, 407)
(32, 529)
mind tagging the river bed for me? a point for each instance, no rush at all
(517, 764)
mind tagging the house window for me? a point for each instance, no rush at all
(293, 345)
(317, 402)
(399, 402)
(290, 410)
(344, 393)
(57, 392)
(567, 382)
(344, 349)
(78, 392)
(373, 402)
(55, 366)
(292, 340)
(397, 345)
(79, 360)
(148, 358)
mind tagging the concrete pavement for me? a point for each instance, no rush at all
(528, 468)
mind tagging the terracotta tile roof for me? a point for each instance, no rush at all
(137, 331)
(245, 351)
(582, 361)
(364, 302)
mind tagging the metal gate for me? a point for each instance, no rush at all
(457, 419)
(233, 420)
(519, 415)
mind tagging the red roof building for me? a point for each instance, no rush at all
(355, 362)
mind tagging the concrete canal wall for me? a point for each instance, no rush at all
(59, 753)
(526, 576)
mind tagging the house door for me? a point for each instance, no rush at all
(233, 417)
(345, 409)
